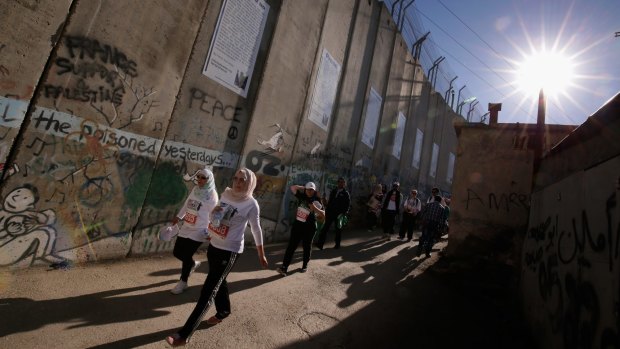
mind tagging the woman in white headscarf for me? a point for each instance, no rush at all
(195, 216)
(237, 208)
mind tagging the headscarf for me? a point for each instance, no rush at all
(208, 190)
(230, 194)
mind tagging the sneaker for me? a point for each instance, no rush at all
(282, 271)
(400, 237)
(175, 340)
(213, 320)
(303, 269)
(196, 265)
(336, 247)
(320, 247)
(179, 287)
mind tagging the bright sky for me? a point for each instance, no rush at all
(504, 32)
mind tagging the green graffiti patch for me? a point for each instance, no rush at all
(167, 187)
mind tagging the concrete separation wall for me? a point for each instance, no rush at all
(106, 111)
(570, 282)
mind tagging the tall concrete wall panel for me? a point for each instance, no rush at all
(88, 151)
(351, 103)
(207, 128)
(279, 110)
(29, 30)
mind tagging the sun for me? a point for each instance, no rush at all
(551, 71)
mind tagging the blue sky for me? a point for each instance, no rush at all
(504, 32)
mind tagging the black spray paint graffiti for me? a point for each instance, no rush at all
(26, 234)
(258, 161)
(105, 80)
(574, 307)
(504, 201)
(3, 70)
(212, 106)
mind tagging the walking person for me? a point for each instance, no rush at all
(237, 208)
(195, 216)
(434, 193)
(309, 208)
(411, 207)
(432, 214)
(390, 209)
(374, 207)
(338, 203)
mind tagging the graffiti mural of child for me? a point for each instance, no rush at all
(25, 233)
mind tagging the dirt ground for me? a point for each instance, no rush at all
(371, 293)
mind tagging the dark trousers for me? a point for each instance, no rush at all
(407, 225)
(299, 232)
(215, 289)
(388, 218)
(428, 237)
(371, 219)
(184, 250)
(329, 219)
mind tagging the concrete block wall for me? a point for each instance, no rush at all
(493, 182)
(105, 109)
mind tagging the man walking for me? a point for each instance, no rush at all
(432, 215)
(338, 203)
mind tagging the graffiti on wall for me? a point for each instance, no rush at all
(564, 261)
(26, 234)
(212, 106)
(104, 78)
(497, 201)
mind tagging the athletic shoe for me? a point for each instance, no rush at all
(303, 269)
(282, 271)
(175, 340)
(179, 287)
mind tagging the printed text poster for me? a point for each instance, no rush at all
(235, 43)
(369, 133)
(324, 91)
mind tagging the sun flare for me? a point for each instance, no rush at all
(550, 71)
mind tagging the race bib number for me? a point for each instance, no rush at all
(221, 231)
(190, 218)
(302, 214)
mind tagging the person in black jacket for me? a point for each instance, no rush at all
(338, 204)
(390, 209)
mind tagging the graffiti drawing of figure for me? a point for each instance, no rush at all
(24, 232)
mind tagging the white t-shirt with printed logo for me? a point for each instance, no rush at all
(195, 215)
(229, 235)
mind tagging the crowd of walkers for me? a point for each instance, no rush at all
(222, 220)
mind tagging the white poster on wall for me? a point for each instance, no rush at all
(432, 171)
(398, 137)
(373, 108)
(235, 44)
(450, 175)
(417, 150)
(324, 94)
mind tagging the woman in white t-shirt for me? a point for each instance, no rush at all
(237, 208)
(195, 216)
